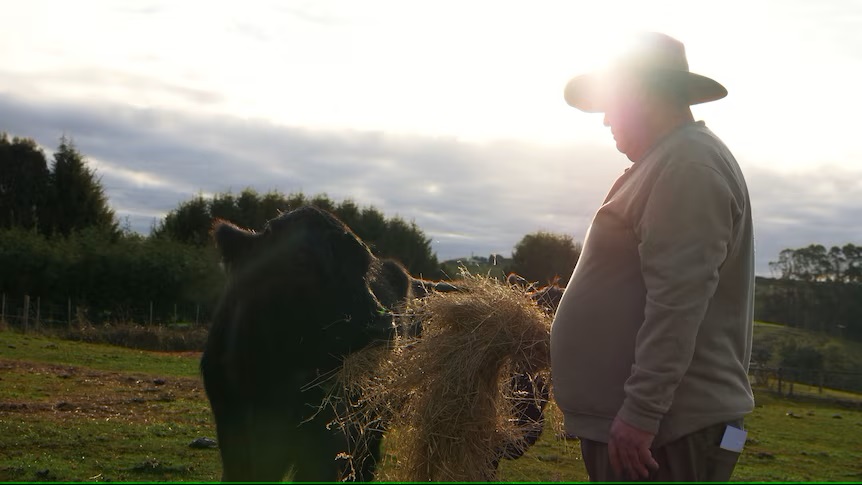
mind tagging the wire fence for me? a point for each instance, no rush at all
(785, 381)
(32, 312)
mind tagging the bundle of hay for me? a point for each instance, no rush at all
(448, 397)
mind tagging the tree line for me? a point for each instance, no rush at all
(387, 237)
(60, 239)
(108, 278)
(816, 263)
(51, 200)
(815, 289)
(543, 257)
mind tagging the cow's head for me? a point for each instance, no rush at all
(303, 278)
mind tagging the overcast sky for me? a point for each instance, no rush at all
(446, 113)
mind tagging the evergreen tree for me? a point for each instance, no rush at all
(77, 199)
(24, 182)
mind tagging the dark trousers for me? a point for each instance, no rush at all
(696, 457)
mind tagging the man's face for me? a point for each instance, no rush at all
(627, 117)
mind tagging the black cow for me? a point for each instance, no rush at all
(300, 296)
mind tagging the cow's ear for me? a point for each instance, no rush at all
(232, 241)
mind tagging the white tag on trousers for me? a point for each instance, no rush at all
(734, 439)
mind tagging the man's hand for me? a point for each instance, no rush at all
(629, 450)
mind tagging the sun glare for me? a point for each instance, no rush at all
(468, 70)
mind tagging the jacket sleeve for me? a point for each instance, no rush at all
(683, 236)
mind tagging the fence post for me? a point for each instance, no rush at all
(151, 313)
(69, 311)
(38, 323)
(780, 375)
(793, 376)
(26, 312)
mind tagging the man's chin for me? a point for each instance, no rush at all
(622, 149)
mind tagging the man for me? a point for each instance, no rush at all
(651, 343)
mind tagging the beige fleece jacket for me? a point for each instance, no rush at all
(656, 323)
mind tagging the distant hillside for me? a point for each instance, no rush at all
(781, 346)
(829, 307)
(843, 354)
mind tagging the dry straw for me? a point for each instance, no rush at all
(446, 399)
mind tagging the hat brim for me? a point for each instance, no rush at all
(592, 92)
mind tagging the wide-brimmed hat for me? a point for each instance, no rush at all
(654, 56)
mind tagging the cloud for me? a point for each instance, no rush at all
(795, 209)
(100, 83)
(470, 198)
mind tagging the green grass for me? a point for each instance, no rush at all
(552, 459)
(72, 411)
(82, 449)
(37, 348)
(809, 444)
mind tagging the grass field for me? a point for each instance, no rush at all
(72, 411)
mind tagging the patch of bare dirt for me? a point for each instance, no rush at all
(64, 390)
